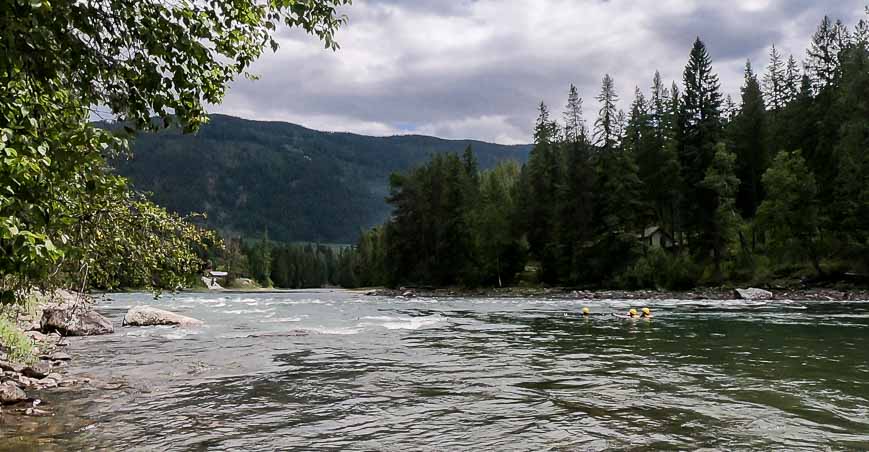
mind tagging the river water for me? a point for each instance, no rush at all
(335, 370)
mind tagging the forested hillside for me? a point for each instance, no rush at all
(296, 183)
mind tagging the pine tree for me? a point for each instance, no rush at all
(792, 80)
(748, 134)
(606, 125)
(822, 62)
(730, 110)
(542, 177)
(775, 81)
(861, 32)
(702, 130)
(574, 125)
(723, 183)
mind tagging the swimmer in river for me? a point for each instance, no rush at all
(632, 314)
(586, 312)
(647, 313)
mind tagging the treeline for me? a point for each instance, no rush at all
(687, 187)
(285, 266)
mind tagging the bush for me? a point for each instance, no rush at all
(659, 269)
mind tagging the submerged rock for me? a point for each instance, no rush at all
(148, 316)
(11, 394)
(753, 294)
(57, 356)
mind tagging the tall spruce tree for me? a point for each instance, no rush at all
(822, 63)
(702, 130)
(748, 133)
(575, 209)
(539, 202)
(720, 179)
(793, 78)
(574, 125)
(607, 124)
(775, 81)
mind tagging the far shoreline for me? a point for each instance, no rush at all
(518, 292)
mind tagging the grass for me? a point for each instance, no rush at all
(18, 347)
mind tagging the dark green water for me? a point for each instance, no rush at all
(338, 371)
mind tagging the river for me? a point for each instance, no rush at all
(335, 370)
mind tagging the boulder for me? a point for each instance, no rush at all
(753, 294)
(148, 316)
(10, 394)
(75, 320)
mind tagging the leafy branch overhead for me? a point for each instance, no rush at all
(64, 215)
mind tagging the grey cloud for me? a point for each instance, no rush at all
(478, 69)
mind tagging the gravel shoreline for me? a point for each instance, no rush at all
(815, 294)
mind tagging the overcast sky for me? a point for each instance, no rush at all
(478, 68)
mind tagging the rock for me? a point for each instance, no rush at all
(753, 294)
(36, 336)
(408, 294)
(38, 370)
(24, 382)
(11, 367)
(371, 293)
(10, 394)
(148, 316)
(36, 412)
(55, 377)
(76, 320)
(59, 356)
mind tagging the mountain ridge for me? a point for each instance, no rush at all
(296, 183)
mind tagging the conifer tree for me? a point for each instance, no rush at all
(793, 78)
(748, 134)
(702, 127)
(606, 125)
(574, 125)
(775, 81)
(539, 202)
(721, 180)
(822, 62)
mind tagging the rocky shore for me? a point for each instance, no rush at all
(720, 293)
(47, 323)
(53, 317)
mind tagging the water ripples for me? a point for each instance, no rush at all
(331, 370)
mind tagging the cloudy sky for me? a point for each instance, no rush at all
(478, 68)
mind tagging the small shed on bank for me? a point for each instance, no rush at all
(657, 238)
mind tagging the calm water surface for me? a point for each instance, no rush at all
(334, 370)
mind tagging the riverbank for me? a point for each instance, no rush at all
(717, 293)
(38, 362)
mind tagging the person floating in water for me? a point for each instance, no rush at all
(632, 313)
(586, 312)
(647, 313)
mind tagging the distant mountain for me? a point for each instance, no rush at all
(298, 184)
